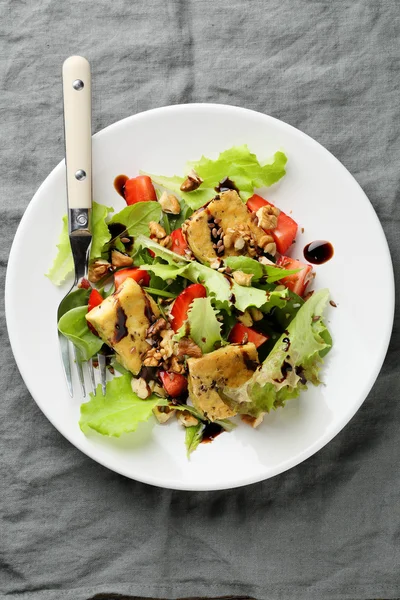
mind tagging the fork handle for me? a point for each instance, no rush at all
(78, 132)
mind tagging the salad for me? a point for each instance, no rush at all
(194, 299)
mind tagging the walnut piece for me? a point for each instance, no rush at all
(152, 358)
(118, 259)
(156, 327)
(186, 346)
(245, 319)
(156, 230)
(99, 269)
(267, 217)
(176, 366)
(169, 204)
(140, 388)
(192, 182)
(242, 278)
(167, 344)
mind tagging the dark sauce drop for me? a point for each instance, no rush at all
(251, 364)
(318, 252)
(119, 184)
(225, 185)
(210, 432)
(121, 330)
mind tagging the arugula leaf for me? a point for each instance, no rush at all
(156, 292)
(176, 221)
(193, 437)
(295, 359)
(74, 327)
(119, 411)
(63, 264)
(237, 163)
(166, 271)
(250, 266)
(205, 329)
(276, 273)
(246, 265)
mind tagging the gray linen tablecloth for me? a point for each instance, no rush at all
(327, 529)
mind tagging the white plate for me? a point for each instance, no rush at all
(325, 200)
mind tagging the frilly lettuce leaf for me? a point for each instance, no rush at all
(63, 264)
(202, 325)
(119, 411)
(193, 437)
(237, 163)
(295, 359)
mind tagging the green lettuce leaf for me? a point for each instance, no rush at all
(295, 359)
(204, 327)
(119, 411)
(237, 163)
(74, 327)
(193, 437)
(63, 264)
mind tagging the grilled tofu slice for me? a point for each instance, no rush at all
(230, 214)
(122, 321)
(229, 366)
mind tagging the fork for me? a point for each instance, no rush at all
(78, 159)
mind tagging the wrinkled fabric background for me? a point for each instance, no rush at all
(327, 529)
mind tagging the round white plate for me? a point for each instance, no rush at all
(321, 195)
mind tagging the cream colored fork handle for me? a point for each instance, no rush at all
(78, 131)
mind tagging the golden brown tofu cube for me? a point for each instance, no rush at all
(229, 366)
(122, 321)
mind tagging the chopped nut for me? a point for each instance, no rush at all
(162, 415)
(167, 344)
(186, 346)
(169, 204)
(192, 182)
(239, 244)
(253, 421)
(229, 240)
(246, 319)
(242, 278)
(176, 366)
(186, 418)
(266, 239)
(270, 249)
(157, 230)
(265, 261)
(166, 242)
(140, 388)
(120, 260)
(156, 327)
(267, 219)
(98, 270)
(256, 314)
(152, 358)
(215, 264)
(159, 390)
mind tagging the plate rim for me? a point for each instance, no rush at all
(288, 463)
